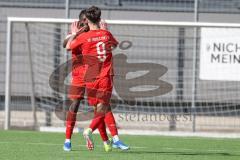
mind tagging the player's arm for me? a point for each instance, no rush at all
(103, 25)
(75, 41)
(75, 30)
(66, 40)
(72, 36)
(72, 42)
(114, 42)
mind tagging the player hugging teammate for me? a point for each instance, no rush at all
(91, 45)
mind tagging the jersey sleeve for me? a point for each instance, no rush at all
(114, 42)
(68, 35)
(77, 42)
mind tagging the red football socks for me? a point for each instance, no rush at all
(110, 121)
(98, 122)
(70, 123)
(98, 118)
(102, 131)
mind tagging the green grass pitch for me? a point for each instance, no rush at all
(28, 145)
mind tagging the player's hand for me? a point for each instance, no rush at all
(85, 28)
(103, 25)
(75, 27)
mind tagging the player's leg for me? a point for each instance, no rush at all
(95, 92)
(100, 124)
(102, 129)
(103, 133)
(98, 117)
(101, 96)
(76, 94)
(97, 122)
(111, 124)
(104, 114)
(70, 123)
(104, 99)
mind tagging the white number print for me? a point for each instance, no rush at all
(101, 51)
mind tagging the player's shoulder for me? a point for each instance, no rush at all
(105, 31)
(83, 34)
(108, 33)
(94, 33)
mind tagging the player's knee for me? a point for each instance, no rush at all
(75, 104)
(102, 108)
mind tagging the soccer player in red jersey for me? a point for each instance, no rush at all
(96, 46)
(77, 89)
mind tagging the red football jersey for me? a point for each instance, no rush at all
(78, 71)
(96, 47)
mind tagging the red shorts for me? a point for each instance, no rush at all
(100, 91)
(77, 87)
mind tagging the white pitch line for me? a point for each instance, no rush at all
(190, 149)
(54, 144)
(136, 147)
(156, 133)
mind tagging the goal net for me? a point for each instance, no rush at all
(162, 77)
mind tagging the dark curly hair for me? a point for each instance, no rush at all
(93, 14)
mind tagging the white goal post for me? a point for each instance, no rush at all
(181, 98)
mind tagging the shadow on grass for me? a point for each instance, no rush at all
(185, 153)
(141, 152)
